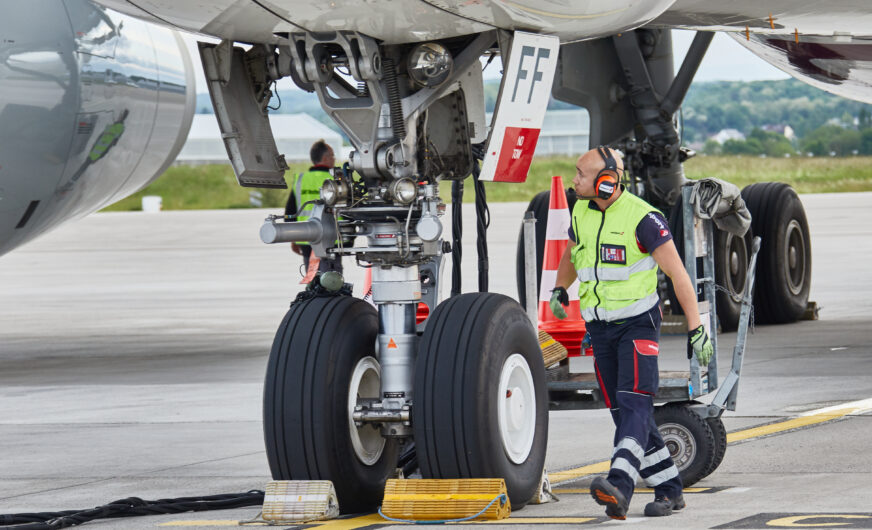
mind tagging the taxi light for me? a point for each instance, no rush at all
(404, 191)
(430, 64)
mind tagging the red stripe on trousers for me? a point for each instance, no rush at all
(599, 380)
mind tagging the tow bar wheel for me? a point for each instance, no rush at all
(517, 408)
(688, 438)
(366, 439)
(479, 387)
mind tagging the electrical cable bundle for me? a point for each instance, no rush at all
(130, 507)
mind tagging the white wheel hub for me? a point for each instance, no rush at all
(365, 383)
(680, 443)
(516, 411)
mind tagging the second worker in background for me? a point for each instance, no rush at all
(307, 188)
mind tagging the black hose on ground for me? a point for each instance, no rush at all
(130, 507)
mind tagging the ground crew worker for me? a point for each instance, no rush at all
(619, 241)
(307, 188)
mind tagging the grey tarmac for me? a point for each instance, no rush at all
(133, 349)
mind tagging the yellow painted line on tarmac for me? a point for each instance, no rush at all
(354, 522)
(813, 417)
(772, 428)
(536, 520)
(569, 474)
(807, 419)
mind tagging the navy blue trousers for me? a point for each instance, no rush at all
(625, 360)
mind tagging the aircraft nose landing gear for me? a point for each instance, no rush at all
(470, 392)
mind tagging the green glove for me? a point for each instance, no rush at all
(698, 342)
(559, 298)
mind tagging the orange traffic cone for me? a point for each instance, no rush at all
(570, 331)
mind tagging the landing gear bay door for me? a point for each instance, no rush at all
(524, 94)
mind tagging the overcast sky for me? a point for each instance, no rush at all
(726, 60)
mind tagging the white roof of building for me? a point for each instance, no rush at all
(283, 126)
(567, 122)
(294, 135)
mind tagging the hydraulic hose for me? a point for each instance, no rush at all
(456, 235)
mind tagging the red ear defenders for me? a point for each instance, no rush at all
(606, 181)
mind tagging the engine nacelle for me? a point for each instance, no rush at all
(94, 105)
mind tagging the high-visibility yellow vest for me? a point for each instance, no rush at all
(308, 188)
(617, 280)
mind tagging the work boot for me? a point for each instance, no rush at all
(607, 494)
(663, 505)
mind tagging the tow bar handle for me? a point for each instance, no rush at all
(726, 396)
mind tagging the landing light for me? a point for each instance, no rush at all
(404, 191)
(430, 64)
(333, 191)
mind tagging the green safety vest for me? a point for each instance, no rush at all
(307, 189)
(617, 280)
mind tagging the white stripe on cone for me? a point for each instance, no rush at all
(558, 225)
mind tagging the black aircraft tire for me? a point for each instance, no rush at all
(784, 263)
(539, 206)
(305, 403)
(732, 257)
(475, 344)
(689, 439)
(719, 431)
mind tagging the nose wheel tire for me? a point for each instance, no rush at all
(481, 406)
(322, 361)
(688, 438)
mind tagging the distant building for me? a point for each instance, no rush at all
(727, 134)
(564, 132)
(294, 134)
(783, 129)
